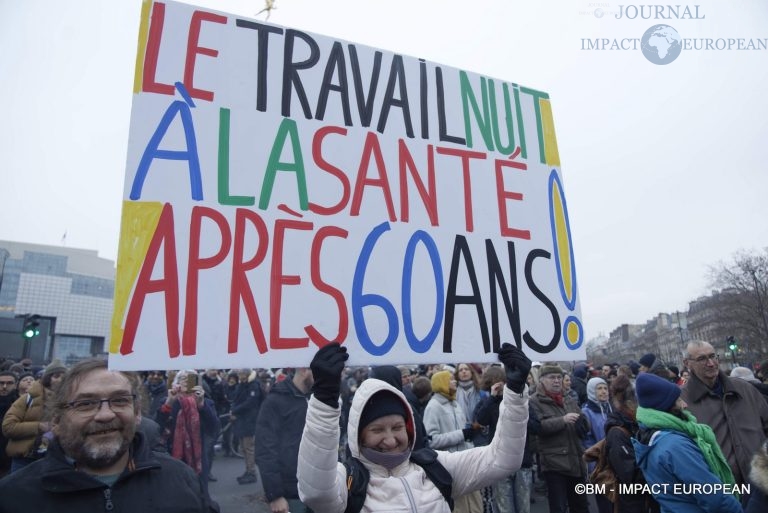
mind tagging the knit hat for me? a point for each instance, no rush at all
(634, 367)
(550, 368)
(647, 360)
(381, 404)
(655, 392)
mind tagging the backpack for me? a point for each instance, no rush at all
(603, 473)
(358, 476)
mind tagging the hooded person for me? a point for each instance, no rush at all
(394, 377)
(579, 381)
(675, 451)
(596, 409)
(381, 436)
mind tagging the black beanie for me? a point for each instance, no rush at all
(647, 360)
(655, 392)
(381, 404)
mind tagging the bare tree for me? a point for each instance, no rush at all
(742, 300)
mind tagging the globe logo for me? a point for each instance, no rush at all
(661, 44)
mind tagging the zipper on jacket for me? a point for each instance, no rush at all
(409, 494)
(108, 499)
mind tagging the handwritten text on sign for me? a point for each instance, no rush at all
(285, 189)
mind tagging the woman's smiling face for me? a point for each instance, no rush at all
(386, 434)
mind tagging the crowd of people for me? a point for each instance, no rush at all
(467, 438)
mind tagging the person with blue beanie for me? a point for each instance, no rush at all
(680, 458)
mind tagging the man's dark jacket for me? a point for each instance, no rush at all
(245, 407)
(151, 482)
(278, 434)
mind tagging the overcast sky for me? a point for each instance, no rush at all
(664, 166)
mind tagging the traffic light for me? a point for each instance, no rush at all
(31, 327)
(732, 345)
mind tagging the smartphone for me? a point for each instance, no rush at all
(191, 381)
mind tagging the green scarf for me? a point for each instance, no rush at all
(700, 433)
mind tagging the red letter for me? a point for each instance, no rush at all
(502, 195)
(153, 50)
(317, 143)
(428, 199)
(315, 336)
(169, 285)
(193, 49)
(240, 287)
(372, 147)
(189, 338)
(465, 156)
(278, 280)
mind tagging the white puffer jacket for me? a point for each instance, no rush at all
(405, 488)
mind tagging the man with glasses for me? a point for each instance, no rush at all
(97, 460)
(733, 408)
(563, 426)
(8, 395)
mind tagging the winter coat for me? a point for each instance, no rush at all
(322, 481)
(669, 458)
(621, 458)
(21, 423)
(278, 433)
(560, 446)
(579, 385)
(444, 421)
(245, 407)
(157, 394)
(488, 415)
(152, 482)
(597, 419)
(739, 418)
(758, 476)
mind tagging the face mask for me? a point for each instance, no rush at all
(388, 460)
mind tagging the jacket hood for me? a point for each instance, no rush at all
(389, 374)
(645, 442)
(363, 394)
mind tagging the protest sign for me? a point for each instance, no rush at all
(285, 189)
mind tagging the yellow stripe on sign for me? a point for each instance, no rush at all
(142, 46)
(551, 153)
(139, 223)
(562, 236)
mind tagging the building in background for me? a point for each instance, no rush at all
(70, 289)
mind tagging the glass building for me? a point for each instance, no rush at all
(70, 289)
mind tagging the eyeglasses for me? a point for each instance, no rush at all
(91, 406)
(706, 357)
(7, 383)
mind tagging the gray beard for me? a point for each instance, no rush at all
(95, 455)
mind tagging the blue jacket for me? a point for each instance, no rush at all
(671, 458)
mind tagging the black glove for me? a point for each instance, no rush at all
(468, 433)
(516, 365)
(327, 366)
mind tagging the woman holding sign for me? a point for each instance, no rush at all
(385, 473)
